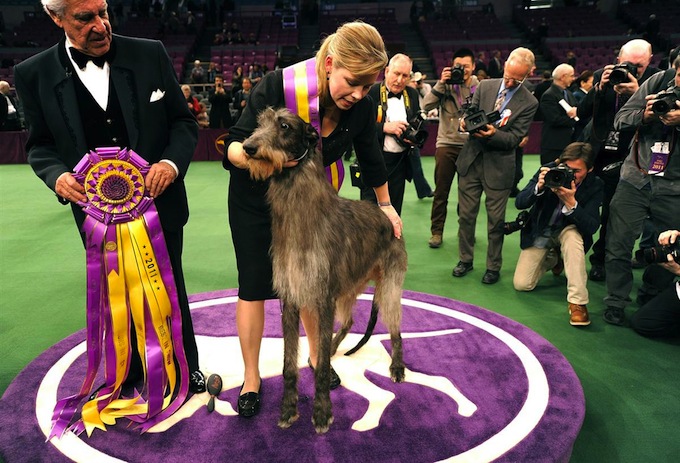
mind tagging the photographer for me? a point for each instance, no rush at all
(610, 146)
(486, 163)
(450, 96)
(397, 105)
(660, 317)
(220, 99)
(649, 186)
(562, 220)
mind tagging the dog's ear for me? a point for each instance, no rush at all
(311, 134)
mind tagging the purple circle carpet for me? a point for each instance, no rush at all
(480, 387)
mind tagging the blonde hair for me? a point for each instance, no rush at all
(355, 46)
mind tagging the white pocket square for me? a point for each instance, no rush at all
(156, 95)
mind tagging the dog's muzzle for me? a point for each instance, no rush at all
(250, 150)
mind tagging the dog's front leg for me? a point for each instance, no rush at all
(291, 338)
(323, 414)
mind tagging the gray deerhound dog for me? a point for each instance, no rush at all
(325, 249)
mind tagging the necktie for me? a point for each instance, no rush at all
(500, 100)
(393, 95)
(81, 58)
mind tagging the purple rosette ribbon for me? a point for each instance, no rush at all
(129, 283)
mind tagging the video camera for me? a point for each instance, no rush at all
(519, 223)
(658, 254)
(414, 133)
(476, 119)
(665, 101)
(619, 74)
(457, 75)
(558, 176)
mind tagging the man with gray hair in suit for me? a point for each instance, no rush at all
(486, 163)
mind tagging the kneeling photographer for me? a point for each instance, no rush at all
(660, 317)
(565, 213)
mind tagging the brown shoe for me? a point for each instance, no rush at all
(578, 314)
(435, 241)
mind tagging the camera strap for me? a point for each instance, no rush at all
(382, 108)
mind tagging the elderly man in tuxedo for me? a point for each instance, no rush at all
(487, 161)
(96, 89)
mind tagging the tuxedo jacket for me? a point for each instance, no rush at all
(157, 119)
(558, 127)
(411, 111)
(586, 216)
(498, 151)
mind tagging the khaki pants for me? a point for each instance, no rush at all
(534, 262)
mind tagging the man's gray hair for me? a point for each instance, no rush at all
(524, 56)
(54, 7)
(399, 57)
(561, 70)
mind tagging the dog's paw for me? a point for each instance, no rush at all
(397, 374)
(287, 420)
(322, 425)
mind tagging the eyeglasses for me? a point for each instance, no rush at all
(516, 81)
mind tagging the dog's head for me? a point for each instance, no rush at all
(282, 139)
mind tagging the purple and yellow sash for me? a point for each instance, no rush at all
(129, 281)
(301, 91)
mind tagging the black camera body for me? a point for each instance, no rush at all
(558, 176)
(476, 119)
(414, 133)
(519, 223)
(665, 101)
(457, 75)
(657, 254)
(619, 74)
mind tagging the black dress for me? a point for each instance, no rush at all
(249, 216)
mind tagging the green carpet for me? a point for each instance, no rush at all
(630, 383)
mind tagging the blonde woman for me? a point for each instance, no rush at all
(345, 68)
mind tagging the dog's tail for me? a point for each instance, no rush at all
(369, 329)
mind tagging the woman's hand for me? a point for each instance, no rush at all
(397, 224)
(236, 155)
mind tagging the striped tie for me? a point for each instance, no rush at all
(500, 100)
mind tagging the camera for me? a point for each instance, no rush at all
(414, 133)
(658, 254)
(476, 119)
(559, 176)
(619, 74)
(665, 101)
(519, 223)
(457, 75)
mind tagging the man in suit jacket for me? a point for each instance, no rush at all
(133, 100)
(397, 103)
(487, 161)
(562, 221)
(558, 123)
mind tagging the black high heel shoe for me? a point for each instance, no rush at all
(249, 403)
(335, 379)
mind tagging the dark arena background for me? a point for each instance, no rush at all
(492, 374)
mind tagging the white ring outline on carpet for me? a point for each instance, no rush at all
(513, 433)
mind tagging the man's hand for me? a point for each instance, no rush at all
(672, 117)
(395, 128)
(567, 195)
(488, 132)
(666, 238)
(160, 176)
(541, 179)
(68, 188)
(446, 75)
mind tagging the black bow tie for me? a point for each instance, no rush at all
(393, 95)
(81, 58)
